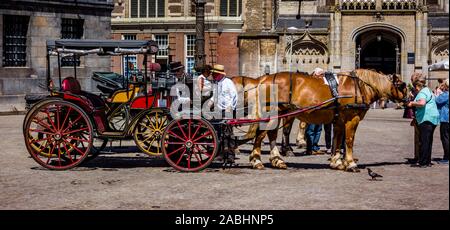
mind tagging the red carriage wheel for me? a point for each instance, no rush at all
(189, 145)
(58, 134)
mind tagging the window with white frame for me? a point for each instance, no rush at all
(190, 52)
(147, 8)
(129, 62)
(230, 8)
(163, 53)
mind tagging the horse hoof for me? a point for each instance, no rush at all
(341, 167)
(354, 170)
(258, 166)
(300, 144)
(280, 165)
(287, 153)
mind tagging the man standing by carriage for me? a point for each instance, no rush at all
(225, 101)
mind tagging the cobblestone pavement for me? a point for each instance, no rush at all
(130, 180)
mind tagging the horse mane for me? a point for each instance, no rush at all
(376, 80)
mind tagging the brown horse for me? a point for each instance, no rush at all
(297, 90)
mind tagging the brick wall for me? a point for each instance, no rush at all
(228, 53)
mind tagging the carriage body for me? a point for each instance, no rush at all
(62, 130)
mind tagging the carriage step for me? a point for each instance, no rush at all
(112, 134)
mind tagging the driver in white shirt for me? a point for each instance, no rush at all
(225, 99)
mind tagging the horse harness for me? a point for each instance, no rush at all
(333, 86)
(290, 88)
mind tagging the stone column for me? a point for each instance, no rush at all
(418, 43)
(332, 42)
(378, 5)
(336, 21)
(424, 43)
(446, 5)
(1, 44)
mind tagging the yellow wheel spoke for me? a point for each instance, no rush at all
(147, 138)
(157, 148)
(150, 145)
(150, 122)
(162, 126)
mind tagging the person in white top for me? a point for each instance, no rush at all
(226, 96)
(225, 99)
(204, 85)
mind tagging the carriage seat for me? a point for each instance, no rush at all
(72, 85)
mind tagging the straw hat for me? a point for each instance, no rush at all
(218, 69)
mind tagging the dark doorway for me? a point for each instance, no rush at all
(379, 50)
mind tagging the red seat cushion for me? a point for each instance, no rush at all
(70, 84)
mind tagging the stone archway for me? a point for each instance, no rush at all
(388, 32)
(380, 50)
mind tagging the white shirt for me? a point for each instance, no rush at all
(206, 91)
(226, 95)
(182, 91)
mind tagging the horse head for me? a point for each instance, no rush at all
(398, 88)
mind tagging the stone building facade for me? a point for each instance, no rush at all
(26, 25)
(391, 36)
(172, 24)
(267, 36)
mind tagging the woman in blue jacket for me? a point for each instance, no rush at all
(442, 104)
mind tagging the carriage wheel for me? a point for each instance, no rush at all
(97, 147)
(118, 119)
(30, 111)
(190, 145)
(58, 134)
(148, 132)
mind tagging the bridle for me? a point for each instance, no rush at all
(398, 86)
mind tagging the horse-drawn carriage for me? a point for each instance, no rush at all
(60, 131)
(71, 125)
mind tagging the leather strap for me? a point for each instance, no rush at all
(290, 87)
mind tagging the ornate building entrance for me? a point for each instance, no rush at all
(379, 50)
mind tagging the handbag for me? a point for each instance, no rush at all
(408, 113)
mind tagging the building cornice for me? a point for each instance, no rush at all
(175, 24)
